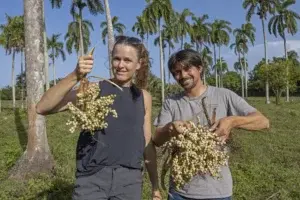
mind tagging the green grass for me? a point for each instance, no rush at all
(264, 164)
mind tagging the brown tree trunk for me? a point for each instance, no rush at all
(110, 34)
(37, 157)
(13, 80)
(22, 81)
(162, 74)
(46, 64)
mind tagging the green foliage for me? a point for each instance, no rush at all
(232, 81)
(117, 27)
(278, 73)
(263, 163)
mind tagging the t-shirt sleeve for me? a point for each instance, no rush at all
(165, 115)
(237, 105)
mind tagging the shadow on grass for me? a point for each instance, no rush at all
(21, 130)
(60, 189)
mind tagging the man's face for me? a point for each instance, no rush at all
(187, 76)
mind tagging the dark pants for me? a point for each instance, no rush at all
(110, 184)
(175, 196)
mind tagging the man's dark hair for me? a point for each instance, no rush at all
(187, 58)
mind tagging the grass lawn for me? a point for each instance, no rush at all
(264, 164)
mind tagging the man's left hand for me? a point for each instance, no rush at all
(222, 127)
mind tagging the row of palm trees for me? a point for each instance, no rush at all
(173, 27)
(158, 17)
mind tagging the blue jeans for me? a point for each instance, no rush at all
(175, 196)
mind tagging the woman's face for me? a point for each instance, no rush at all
(125, 62)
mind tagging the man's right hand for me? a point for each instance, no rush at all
(176, 127)
(84, 66)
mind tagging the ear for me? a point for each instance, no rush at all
(200, 68)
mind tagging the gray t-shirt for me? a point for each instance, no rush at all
(180, 107)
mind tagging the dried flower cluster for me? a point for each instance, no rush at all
(91, 109)
(196, 151)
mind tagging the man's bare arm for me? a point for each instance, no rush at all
(253, 121)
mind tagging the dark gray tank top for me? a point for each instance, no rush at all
(122, 143)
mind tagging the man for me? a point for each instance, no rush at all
(225, 109)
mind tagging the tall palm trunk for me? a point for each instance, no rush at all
(266, 60)
(37, 157)
(53, 67)
(241, 73)
(215, 61)
(110, 33)
(81, 47)
(245, 74)
(287, 71)
(46, 67)
(181, 42)
(13, 80)
(169, 73)
(22, 81)
(161, 63)
(221, 69)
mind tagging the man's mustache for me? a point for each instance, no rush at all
(183, 79)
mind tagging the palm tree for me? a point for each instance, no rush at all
(95, 7)
(220, 30)
(117, 27)
(201, 30)
(13, 32)
(183, 25)
(37, 157)
(207, 61)
(110, 31)
(156, 10)
(285, 20)
(244, 35)
(56, 49)
(261, 8)
(139, 27)
(238, 66)
(144, 26)
(221, 68)
(72, 37)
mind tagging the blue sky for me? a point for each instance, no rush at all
(58, 19)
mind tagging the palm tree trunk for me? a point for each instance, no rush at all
(215, 60)
(241, 73)
(161, 63)
(169, 73)
(221, 69)
(110, 33)
(46, 67)
(245, 74)
(22, 81)
(13, 80)
(37, 157)
(53, 67)
(266, 60)
(287, 71)
(81, 47)
(181, 42)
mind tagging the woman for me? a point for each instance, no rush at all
(109, 164)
